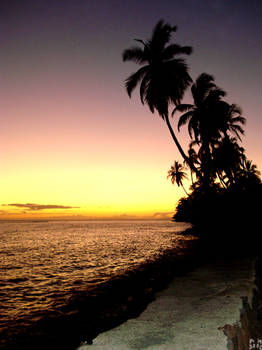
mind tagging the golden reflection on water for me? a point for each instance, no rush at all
(43, 263)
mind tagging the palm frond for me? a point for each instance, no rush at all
(134, 54)
(239, 119)
(175, 49)
(132, 81)
(237, 129)
(201, 88)
(143, 86)
(183, 107)
(184, 119)
(235, 109)
(161, 34)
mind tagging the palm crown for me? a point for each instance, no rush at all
(177, 174)
(163, 78)
(209, 116)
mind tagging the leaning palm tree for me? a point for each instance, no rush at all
(163, 77)
(177, 174)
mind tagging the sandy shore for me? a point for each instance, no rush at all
(189, 313)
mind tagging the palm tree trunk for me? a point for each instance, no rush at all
(221, 180)
(184, 189)
(185, 157)
(191, 175)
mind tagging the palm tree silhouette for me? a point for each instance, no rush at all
(228, 157)
(163, 77)
(248, 174)
(231, 120)
(177, 174)
(209, 119)
(199, 116)
(250, 168)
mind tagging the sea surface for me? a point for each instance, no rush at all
(43, 263)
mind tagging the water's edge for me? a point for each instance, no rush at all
(106, 306)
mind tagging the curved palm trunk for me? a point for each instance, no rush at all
(185, 157)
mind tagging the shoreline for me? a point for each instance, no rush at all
(116, 301)
(214, 306)
(205, 251)
(111, 303)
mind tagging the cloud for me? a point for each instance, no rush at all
(33, 206)
(7, 212)
(160, 215)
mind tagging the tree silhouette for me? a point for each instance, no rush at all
(247, 175)
(209, 119)
(223, 180)
(177, 174)
(163, 77)
(228, 157)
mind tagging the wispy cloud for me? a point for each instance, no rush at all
(166, 215)
(33, 206)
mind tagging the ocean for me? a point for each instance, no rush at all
(43, 265)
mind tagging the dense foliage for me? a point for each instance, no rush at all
(224, 183)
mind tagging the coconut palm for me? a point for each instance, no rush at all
(194, 158)
(250, 168)
(163, 77)
(248, 174)
(227, 159)
(177, 174)
(231, 119)
(198, 116)
(209, 119)
(209, 116)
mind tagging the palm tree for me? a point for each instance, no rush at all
(163, 77)
(250, 168)
(248, 174)
(209, 119)
(194, 157)
(227, 159)
(231, 120)
(177, 174)
(206, 96)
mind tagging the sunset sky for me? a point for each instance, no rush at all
(72, 142)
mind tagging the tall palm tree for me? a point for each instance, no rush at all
(163, 77)
(177, 174)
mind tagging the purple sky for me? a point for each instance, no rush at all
(62, 95)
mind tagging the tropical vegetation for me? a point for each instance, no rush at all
(223, 180)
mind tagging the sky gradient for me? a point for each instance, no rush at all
(72, 142)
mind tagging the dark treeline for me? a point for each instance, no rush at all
(225, 185)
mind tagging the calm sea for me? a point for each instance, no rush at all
(43, 263)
